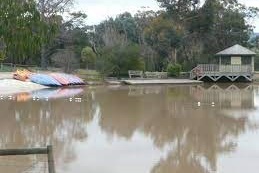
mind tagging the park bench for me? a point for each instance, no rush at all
(135, 73)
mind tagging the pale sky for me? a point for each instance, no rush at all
(99, 10)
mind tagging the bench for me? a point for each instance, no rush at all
(156, 75)
(135, 73)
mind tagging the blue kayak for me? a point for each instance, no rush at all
(44, 79)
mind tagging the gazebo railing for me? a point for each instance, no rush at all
(215, 69)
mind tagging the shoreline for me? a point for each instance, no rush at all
(12, 86)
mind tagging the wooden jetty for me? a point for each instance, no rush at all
(234, 63)
(160, 81)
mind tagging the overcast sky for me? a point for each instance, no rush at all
(99, 10)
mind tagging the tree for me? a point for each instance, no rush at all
(2, 50)
(221, 22)
(49, 11)
(65, 58)
(20, 29)
(88, 57)
(163, 35)
(117, 60)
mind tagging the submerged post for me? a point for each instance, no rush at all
(51, 163)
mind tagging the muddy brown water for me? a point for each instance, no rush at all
(138, 129)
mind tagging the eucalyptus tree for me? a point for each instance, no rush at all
(49, 10)
(163, 35)
(221, 22)
(20, 29)
(88, 57)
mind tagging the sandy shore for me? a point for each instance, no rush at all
(11, 86)
(6, 75)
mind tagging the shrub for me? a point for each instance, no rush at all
(117, 60)
(2, 55)
(174, 70)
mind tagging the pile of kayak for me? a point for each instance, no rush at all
(51, 79)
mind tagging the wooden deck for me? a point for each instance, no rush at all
(216, 72)
(160, 81)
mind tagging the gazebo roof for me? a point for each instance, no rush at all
(236, 50)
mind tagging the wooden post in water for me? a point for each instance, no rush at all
(51, 164)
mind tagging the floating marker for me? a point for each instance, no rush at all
(199, 104)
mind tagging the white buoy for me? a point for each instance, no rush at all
(199, 104)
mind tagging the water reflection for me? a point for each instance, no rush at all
(197, 134)
(164, 126)
(38, 123)
(48, 93)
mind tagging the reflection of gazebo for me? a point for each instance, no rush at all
(233, 63)
(229, 97)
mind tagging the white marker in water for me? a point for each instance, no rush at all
(199, 104)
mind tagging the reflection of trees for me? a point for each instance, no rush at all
(122, 115)
(197, 135)
(38, 123)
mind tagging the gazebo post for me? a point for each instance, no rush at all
(253, 64)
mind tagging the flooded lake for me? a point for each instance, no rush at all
(137, 129)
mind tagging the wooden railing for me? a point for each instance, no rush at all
(211, 69)
(32, 151)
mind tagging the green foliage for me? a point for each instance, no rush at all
(88, 57)
(21, 29)
(165, 37)
(119, 59)
(184, 32)
(174, 70)
(2, 56)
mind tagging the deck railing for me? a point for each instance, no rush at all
(203, 69)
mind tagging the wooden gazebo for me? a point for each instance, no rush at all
(232, 63)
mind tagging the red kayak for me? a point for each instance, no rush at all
(60, 79)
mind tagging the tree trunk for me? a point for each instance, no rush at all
(43, 57)
(175, 56)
